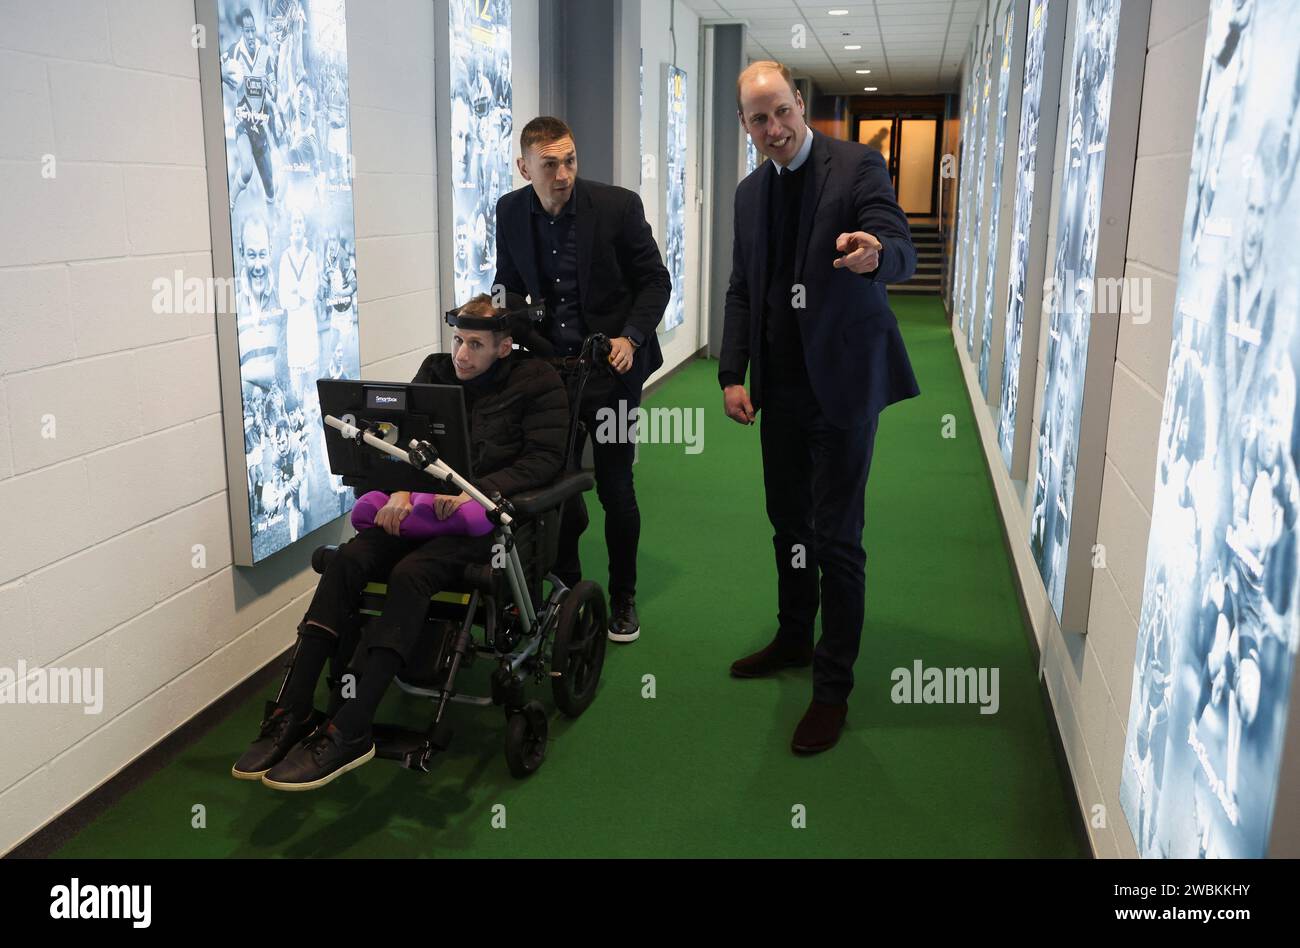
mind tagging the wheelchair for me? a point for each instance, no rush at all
(532, 639)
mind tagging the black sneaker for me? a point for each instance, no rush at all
(624, 626)
(282, 728)
(319, 759)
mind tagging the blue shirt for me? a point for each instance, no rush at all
(556, 242)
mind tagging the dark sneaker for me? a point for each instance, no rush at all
(624, 626)
(282, 728)
(319, 759)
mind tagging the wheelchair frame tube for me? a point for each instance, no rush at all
(518, 581)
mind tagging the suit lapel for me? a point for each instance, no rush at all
(760, 234)
(528, 265)
(819, 160)
(586, 236)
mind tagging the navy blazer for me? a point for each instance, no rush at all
(622, 280)
(853, 350)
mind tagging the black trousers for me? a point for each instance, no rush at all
(815, 478)
(414, 571)
(613, 463)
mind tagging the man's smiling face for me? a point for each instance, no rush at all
(772, 114)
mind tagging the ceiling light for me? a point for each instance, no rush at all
(838, 12)
(853, 47)
(870, 88)
(863, 72)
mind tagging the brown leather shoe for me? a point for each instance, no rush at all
(773, 658)
(820, 728)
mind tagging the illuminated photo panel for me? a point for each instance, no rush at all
(995, 192)
(1071, 304)
(481, 137)
(1022, 214)
(675, 195)
(980, 141)
(287, 162)
(1220, 620)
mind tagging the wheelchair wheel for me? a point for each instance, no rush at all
(526, 731)
(578, 652)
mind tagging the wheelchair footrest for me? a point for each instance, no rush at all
(410, 748)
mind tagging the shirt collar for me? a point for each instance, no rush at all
(570, 206)
(797, 161)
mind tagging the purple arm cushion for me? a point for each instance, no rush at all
(469, 520)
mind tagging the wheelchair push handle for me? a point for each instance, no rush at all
(601, 346)
(424, 456)
(593, 355)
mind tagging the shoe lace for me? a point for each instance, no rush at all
(275, 724)
(317, 742)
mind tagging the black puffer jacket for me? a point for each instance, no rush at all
(518, 421)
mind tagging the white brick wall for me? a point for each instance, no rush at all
(393, 139)
(1090, 677)
(24, 106)
(102, 572)
(6, 451)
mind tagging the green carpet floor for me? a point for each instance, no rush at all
(704, 767)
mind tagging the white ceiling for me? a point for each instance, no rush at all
(910, 46)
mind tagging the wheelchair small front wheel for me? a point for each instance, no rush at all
(578, 651)
(526, 731)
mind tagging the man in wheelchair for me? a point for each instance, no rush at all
(518, 421)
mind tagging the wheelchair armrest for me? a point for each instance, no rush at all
(321, 556)
(532, 502)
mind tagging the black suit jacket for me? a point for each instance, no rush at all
(852, 346)
(622, 280)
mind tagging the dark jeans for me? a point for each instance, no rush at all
(414, 571)
(815, 478)
(613, 462)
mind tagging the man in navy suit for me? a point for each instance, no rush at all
(585, 249)
(818, 234)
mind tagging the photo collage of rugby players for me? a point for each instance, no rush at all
(984, 83)
(675, 205)
(962, 261)
(1220, 620)
(284, 79)
(1026, 168)
(1070, 308)
(481, 130)
(995, 190)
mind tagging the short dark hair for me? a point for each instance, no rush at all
(542, 131)
(763, 65)
(482, 305)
